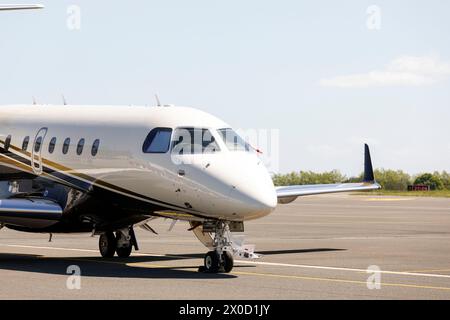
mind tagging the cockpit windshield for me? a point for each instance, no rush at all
(233, 141)
(194, 141)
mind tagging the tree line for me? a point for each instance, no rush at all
(397, 180)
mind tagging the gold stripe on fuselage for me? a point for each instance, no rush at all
(17, 165)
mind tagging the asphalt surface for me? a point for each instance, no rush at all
(315, 248)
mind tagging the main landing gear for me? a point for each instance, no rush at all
(121, 243)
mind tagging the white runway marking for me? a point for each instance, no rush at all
(355, 206)
(71, 249)
(344, 269)
(46, 248)
(400, 273)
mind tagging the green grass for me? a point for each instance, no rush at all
(434, 193)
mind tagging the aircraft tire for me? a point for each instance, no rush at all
(211, 262)
(124, 252)
(107, 244)
(228, 261)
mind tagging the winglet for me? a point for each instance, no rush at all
(368, 169)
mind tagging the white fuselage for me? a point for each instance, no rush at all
(229, 185)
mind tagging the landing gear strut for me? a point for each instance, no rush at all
(121, 243)
(221, 258)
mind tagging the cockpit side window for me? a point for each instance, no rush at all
(157, 141)
(233, 141)
(194, 141)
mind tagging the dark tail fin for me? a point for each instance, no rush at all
(368, 169)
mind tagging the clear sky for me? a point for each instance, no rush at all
(328, 74)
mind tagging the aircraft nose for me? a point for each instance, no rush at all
(255, 195)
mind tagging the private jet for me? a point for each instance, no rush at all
(106, 170)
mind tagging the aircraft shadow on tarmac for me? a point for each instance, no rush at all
(132, 267)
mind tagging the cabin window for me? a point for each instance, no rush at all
(51, 146)
(157, 141)
(95, 146)
(25, 143)
(80, 146)
(194, 141)
(37, 144)
(66, 145)
(7, 143)
(233, 141)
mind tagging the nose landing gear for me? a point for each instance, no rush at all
(221, 258)
(224, 246)
(214, 263)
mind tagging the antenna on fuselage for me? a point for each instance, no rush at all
(64, 100)
(158, 103)
(34, 101)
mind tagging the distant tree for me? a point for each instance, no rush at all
(445, 178)
(388, 179)
(432, 180)
(308, 177)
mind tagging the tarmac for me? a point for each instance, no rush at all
(319, 247)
